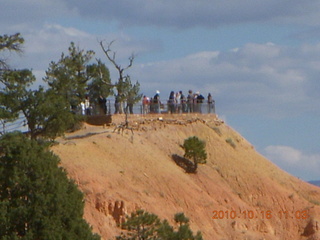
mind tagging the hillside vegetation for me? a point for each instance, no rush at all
(237, 194)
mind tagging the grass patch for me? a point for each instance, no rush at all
(315, 202)
(231, 142)
(217, 131)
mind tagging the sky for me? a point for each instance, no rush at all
(259, 59)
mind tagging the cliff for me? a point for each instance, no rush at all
(237, 194)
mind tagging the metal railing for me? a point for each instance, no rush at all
(160, 108)
(152, 108)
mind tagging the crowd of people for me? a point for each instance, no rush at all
(178, 102)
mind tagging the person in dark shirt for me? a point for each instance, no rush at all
(102, 101)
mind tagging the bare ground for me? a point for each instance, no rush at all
(237, 194)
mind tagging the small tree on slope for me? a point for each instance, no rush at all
(195, 149)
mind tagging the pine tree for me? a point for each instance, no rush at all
(195, 149)
(37, 200)
(47, 114)
(141, 225)
(73, 74)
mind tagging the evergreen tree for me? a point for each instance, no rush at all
(9, 43)
(195, 149)
(100, 84)
(37, 200)
(47, 114)
(142, 225)
(71, 75)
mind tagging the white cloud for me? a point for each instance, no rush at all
(306, 166)
(285, 154)
(266, 79)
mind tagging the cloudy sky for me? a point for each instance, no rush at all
(259, 59)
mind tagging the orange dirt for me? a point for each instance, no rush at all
(121, 173)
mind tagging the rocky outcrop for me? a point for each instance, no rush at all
(115, 209)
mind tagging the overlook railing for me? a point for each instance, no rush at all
(153, 108)
(112, 108)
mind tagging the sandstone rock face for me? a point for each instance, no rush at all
(236, 195)
(115, 209)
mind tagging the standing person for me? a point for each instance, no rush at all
(130, 102)
(156, 101)
(200, 99)
(151, 107)
(210, 104)
(177, 101)
(87, 105)
(117, 104)
(83, 107)
(183, 102)
(171, 103)
(190, 102)
(195, 102)
(102, 101)
(145, 104)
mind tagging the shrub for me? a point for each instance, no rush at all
(195, 149)
(230, 142)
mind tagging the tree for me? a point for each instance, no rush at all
(37, 200)
(184, 231)
(195, 149)
(9, 43)
(126, 91)
(100, 84)
(131, 94)
(142, 225)
(47, 114)
(72, 74)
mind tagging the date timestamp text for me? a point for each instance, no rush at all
(250, 214)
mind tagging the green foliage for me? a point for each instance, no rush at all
(140, 225)
(68, 76)
(72, 74)
(145, 226)
(195, 149)
(100, 84)
(47, 114)
(181, 218)
(9, 43)
(37, 200)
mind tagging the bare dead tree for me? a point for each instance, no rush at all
(111, 55)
